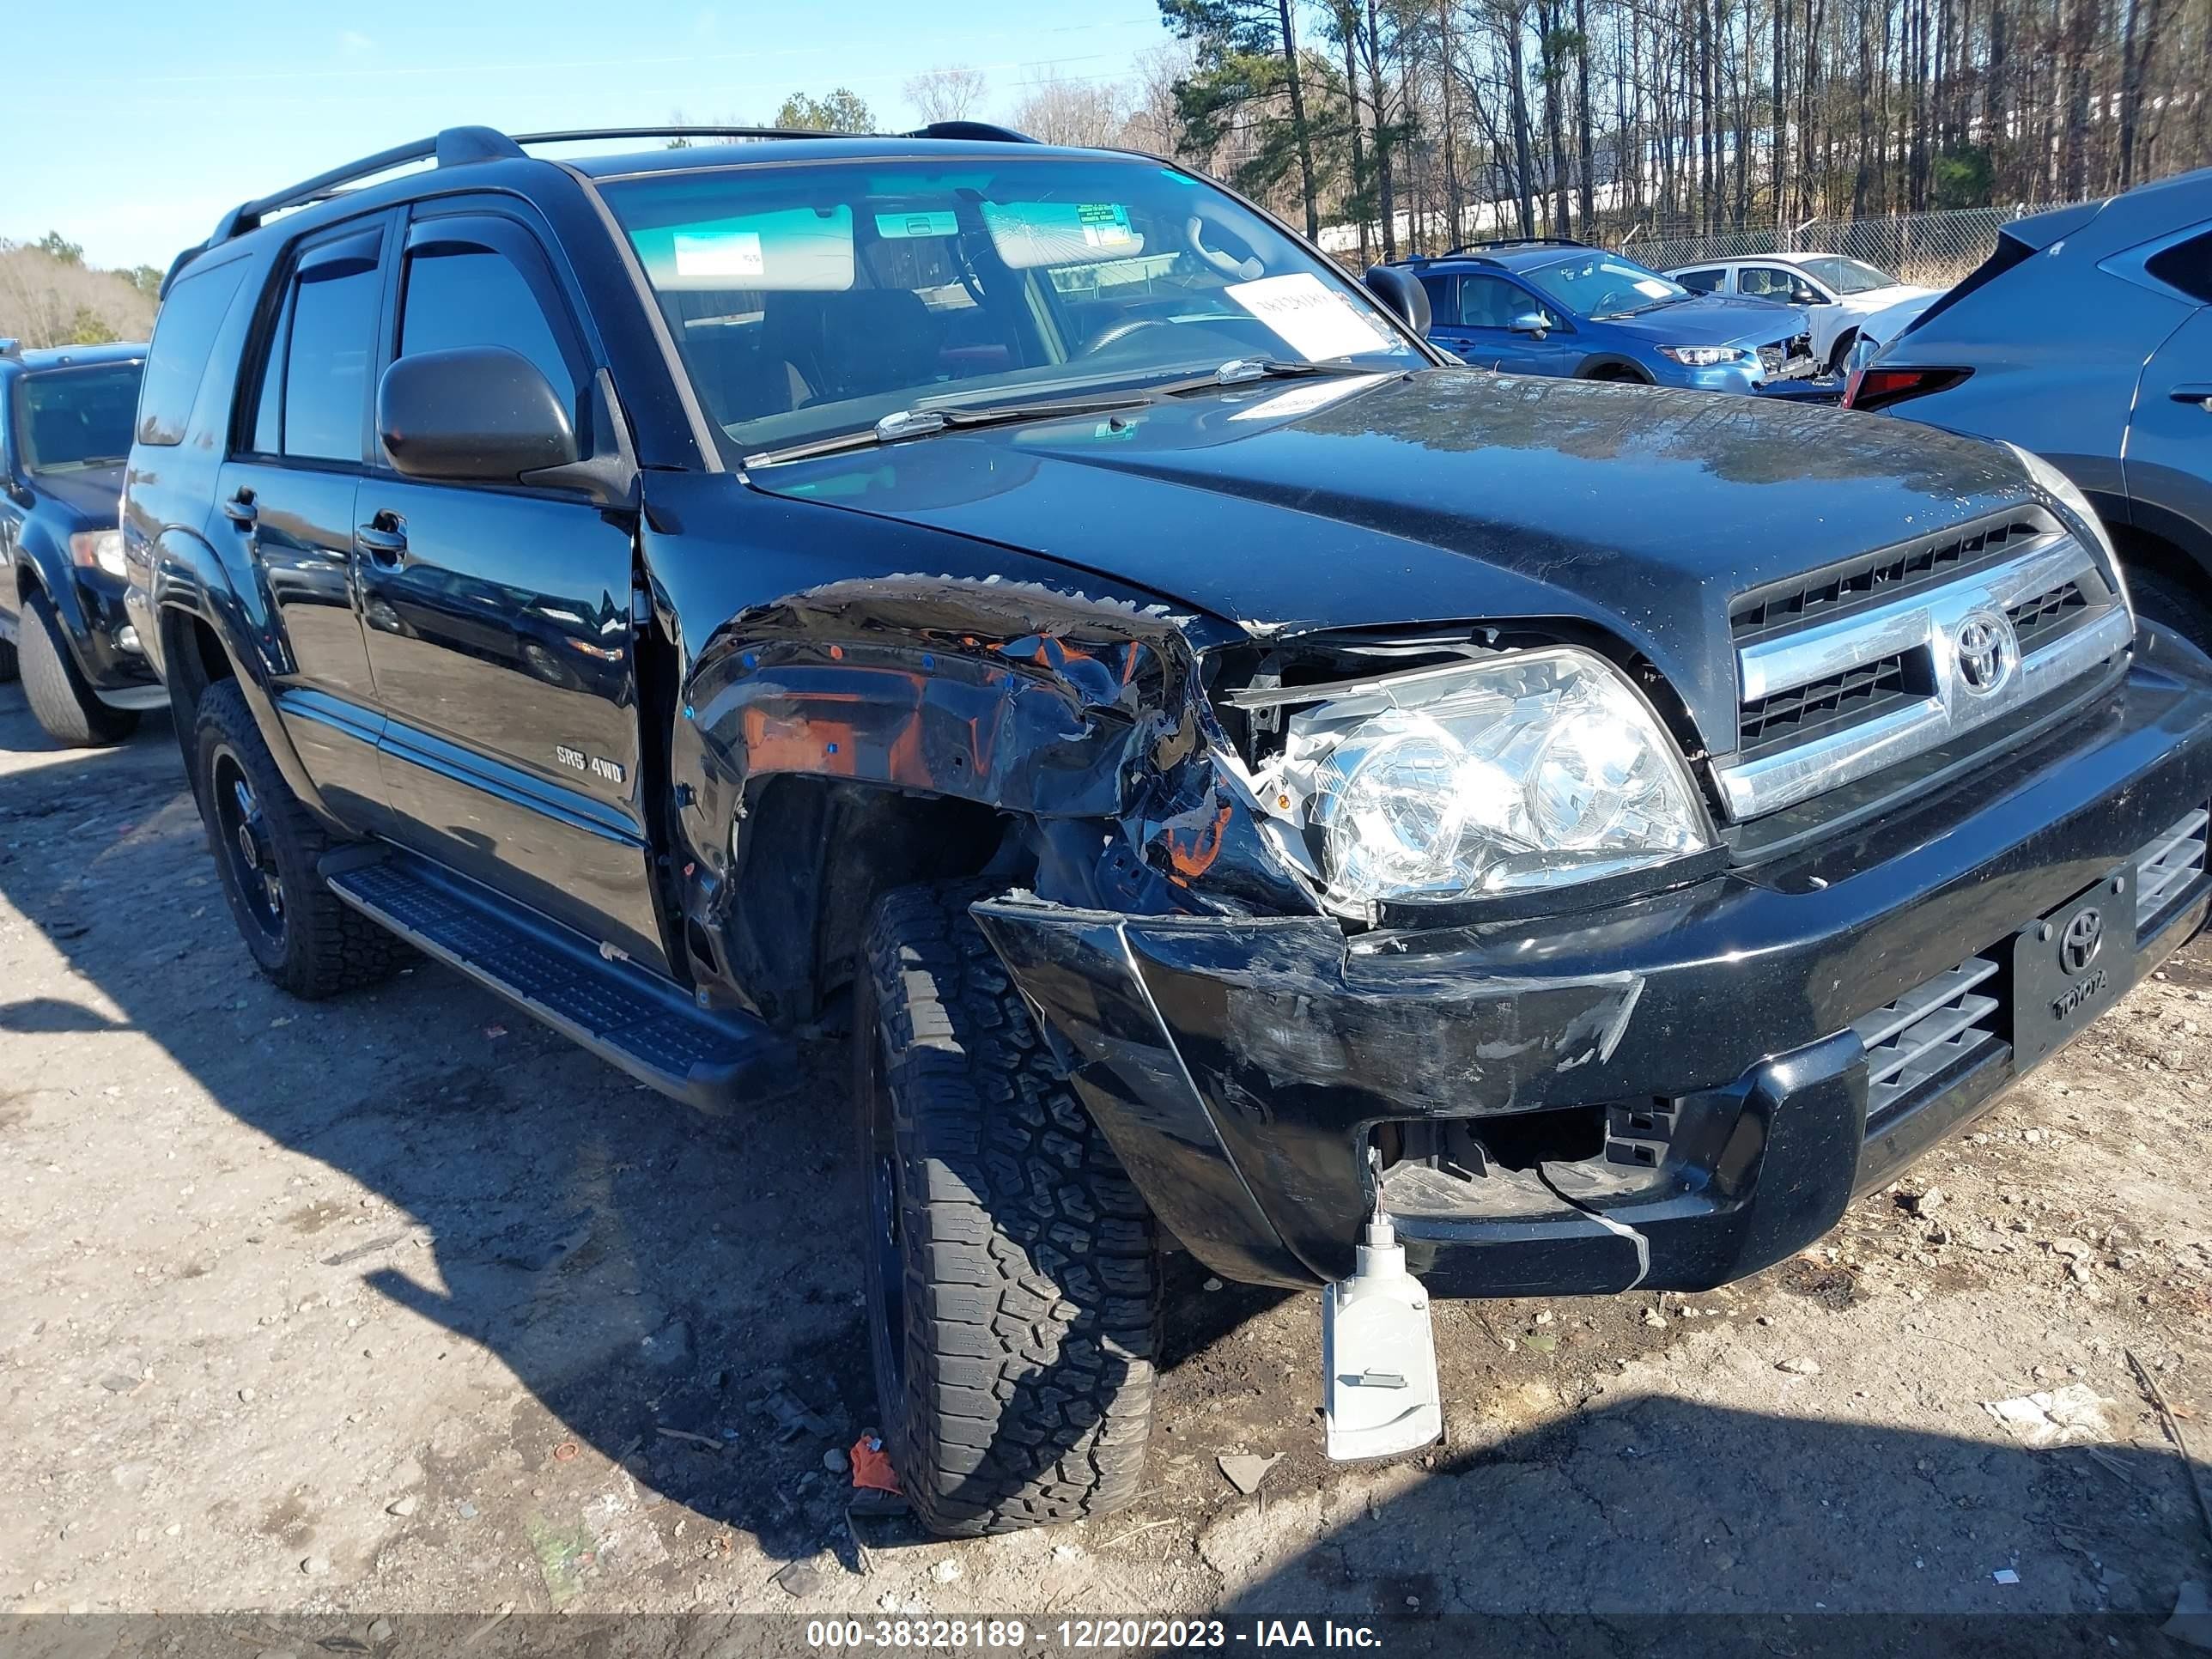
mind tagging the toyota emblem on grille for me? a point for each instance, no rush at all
(2084, 937)
(1985, 647)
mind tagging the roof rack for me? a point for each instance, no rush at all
(462, 146)
(1515, 241)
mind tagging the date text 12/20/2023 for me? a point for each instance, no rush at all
(1086, 1635)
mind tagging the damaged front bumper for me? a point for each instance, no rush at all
(1669, 1093)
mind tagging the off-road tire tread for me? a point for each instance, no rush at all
(65, 706)
(2167, 601)
(1032, 1278)
(329, 946)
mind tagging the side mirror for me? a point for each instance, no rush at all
(1402, 293)
(474, 414)
(1531, 323)
(1806, 296)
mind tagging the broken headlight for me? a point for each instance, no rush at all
(1508, 774)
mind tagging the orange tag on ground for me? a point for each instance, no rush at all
(871, 1464)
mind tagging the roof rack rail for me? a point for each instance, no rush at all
(583, 135)
(462, 146)
(1516, 241)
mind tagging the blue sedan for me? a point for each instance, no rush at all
(1548, 307)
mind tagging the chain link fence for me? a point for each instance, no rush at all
(1935, 248)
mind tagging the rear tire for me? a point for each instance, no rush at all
(2165, 601)
(1012, 1278)
(62, 700)
(266, 845)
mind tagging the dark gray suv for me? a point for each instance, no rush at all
(2119, 399)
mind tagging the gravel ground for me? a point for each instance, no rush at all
(399, 1302)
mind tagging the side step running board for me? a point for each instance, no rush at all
(629, 1017)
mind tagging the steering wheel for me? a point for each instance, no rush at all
(1119, 332)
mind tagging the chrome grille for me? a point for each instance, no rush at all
(2048, 614)
(1877, 577)
(1900, 652)
(1845, 699)
(1916, 1045)
(2167, 869)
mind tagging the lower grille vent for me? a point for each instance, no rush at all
(1916, 1043)
(2167, 869)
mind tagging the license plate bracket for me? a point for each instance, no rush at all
(2071, 966)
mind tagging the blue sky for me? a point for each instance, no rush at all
(168, 113)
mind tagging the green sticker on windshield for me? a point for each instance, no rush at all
(1028, 235)
(898, 226)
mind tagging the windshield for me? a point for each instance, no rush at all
(1842, 275)
(812, 299)
(1602, 285)
(69, 419)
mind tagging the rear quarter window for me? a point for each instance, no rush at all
(2187, 266)
(184, 334)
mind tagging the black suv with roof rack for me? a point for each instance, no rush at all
(1253, 782)
(65, 414)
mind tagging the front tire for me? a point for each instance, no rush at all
(62, 700)
(2168, 602)
(1012, 1277)
(266, 845)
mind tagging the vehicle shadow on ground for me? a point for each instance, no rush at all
(682, 1295)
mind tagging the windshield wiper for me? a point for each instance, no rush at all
(1238, 370)
(923, 423)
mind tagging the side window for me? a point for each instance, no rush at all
(2187, 266)
(460, 296)
(326, 343)
(1444, 296)
(184, 335)
(1490, 302)
(1765, 282)
(1707, 281)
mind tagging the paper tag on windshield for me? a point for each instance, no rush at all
(1653, 289)
(1313, 320)
(719, 253)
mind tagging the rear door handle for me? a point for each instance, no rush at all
(385, 538)
(2197, 391)
(240, 510)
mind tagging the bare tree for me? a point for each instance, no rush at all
(1056, 109)
(952, 92)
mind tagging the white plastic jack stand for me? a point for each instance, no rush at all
(1378, 1357)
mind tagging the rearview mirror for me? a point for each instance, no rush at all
(474, 414)
(1402, 292)
(1531, 322)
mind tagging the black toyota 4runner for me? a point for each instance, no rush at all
(1258, 784)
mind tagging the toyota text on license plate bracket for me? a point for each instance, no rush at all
(2070, 967)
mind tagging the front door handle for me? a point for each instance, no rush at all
(2197, 391)
(385, 538)
(240, 510)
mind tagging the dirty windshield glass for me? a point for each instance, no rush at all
(813, 300)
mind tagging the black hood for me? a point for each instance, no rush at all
(1445, 497)
(94, 495)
